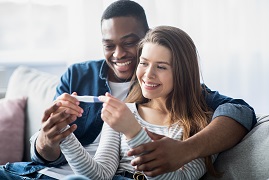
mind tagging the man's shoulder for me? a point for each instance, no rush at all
(88, 64)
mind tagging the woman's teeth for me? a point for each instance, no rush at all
(151, 85)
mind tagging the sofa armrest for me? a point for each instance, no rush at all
(249, 158)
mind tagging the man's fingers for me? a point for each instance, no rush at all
(153, 168)
(57, 129)
(154, 172)
(136, 151)
(61, 124)
(56, 119)
(148, 156)
(65, 133)
(51, 110)
(144, 148)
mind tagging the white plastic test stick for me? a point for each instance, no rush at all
(89, 99)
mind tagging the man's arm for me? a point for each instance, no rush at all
(169, 155)
(220, 135)
(232, 119)
(45, 147)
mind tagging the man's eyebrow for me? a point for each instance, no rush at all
(131, 35)
(106, 40)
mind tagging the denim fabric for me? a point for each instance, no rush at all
(236, 109)
(240, 113)
(119, 177)
(86, 78)
(90, 78)
(21, 171)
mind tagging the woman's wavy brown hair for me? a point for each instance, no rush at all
(186, 101)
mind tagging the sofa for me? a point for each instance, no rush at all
(35, 90)
(38, 89)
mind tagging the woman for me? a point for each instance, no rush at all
(166, 98)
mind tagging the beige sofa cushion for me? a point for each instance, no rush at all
(249, 159)
(39, 88)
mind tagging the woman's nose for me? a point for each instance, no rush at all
(150, 73)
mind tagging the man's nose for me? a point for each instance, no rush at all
(119, 52)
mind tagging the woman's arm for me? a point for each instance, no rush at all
(106, 159)
(192, 170)
(232, 120)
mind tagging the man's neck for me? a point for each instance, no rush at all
(114, 78)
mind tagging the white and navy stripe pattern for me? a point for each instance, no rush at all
(111, 155)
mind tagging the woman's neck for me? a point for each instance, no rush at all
(157, 104)
(155, 112)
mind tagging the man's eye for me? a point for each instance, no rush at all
(129, 44)
(108, 47)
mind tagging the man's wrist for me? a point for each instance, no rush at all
(191, 149)
(46, 153)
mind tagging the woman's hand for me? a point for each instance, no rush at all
(69, 104)
(118, 116)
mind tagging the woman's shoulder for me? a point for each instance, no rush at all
(132, 106)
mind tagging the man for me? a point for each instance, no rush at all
(123, 24)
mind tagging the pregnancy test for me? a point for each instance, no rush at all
(89, 99)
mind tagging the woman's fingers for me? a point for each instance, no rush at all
(70, 103)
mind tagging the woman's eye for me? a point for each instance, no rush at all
(162, 67)
(142, 63)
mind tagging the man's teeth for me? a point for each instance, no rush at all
(123, 64)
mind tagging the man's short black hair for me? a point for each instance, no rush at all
(125, 8)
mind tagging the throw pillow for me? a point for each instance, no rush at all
(11, 129)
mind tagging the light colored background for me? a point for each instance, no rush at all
(231, 37)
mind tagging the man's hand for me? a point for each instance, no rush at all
(50, 135)
(164, 155)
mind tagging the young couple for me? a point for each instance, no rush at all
(170, 101)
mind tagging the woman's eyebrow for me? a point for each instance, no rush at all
(163, 62)
(159, 62)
